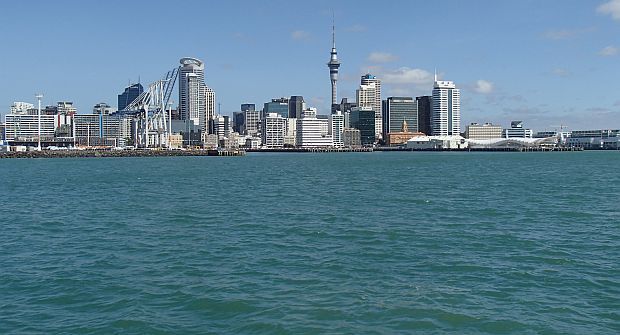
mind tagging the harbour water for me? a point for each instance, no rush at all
(328, 243)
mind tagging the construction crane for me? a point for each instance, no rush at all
(152, 124)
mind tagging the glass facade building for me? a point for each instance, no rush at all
(129, 95)
(364, 121)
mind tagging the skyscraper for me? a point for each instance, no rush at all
(279, 106)
(424, 114)
(397, 110)
(333, 66)
(129, 95)
(369, 96)
(295, 106)
(446, 109)
(196, 100)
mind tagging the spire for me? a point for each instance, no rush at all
(333, 31)
(435, 74)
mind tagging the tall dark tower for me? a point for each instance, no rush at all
(333, 65)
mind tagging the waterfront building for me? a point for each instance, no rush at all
(397, 110)
(592, 139)
(312, 132)
(484, 131)
(2, 136)
(333, 66)
(296, 105)
(92, 130)
(516, 130)
(369, 96)
(443, 142)
(103, 108)
(423, 106)
(336, 127)
(220, 126)
(196, 99)
(273, 130)
(363, 119)
(24, 127)
(351, 138)
(402, 136)
(279, 106)
(20, 107)
(129, 95)
(446, 109)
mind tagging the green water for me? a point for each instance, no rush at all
(349, 243)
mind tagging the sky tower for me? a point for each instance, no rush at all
(333, 65)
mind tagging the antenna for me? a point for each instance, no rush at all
(39, 96)
(435, 74)
(333, 29)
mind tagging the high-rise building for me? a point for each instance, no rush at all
(296, 105)
(333, 66)
(279, 106)
(446, 109)
(397, 110)
(336, 127)
(312, 132)
(248, 107)
(369, 96)
(363, 119)
(196, 99)
(238, 122)
(273, 130)
(129, 95)
(423, 105)
(19, 107)
(96, 129)
(252, 122)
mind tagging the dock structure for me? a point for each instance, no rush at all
(118, 153)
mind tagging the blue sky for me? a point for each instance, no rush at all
(545, 62)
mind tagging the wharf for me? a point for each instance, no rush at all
(117, 153)
(312, 150)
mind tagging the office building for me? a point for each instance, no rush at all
(516, 130)
(351, 138)
(2, 136)
(290, 138)
(252, 122)
(363, 119)
(129, 95)
(336, 127)
(25, 127)
(279, 106)
(238, 121)
(446, 109)
(311, 131)
(369, 97)
(97, 130)
(423, 105)
(397, 110)
(196, 99)
(592, 139)
(296, 105)
(273, 130)
(19, 107)
(484, 131)
(103, 108)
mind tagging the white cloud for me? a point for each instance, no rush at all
(300, 35)
(484, 87)
(405, 75)
(381, 57)
(566, 34)
(611, 7)
(560, 72)
(608, 51)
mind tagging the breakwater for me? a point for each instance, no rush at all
(117, 153)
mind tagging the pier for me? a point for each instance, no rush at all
(118, 153)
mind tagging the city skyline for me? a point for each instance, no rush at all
(546, 67)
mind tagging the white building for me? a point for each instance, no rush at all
(196, 99)
(273, 131)
(516, 130)
(369, 95)
(311, 131)
(446, 109)
(290, 139)
(336, 127)
(19, 107)
(25, 127)
(252, 122)
(437, 142)
(477, 131)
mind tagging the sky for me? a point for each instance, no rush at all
(548, 63)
